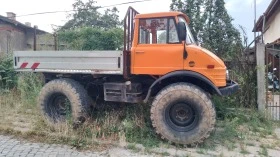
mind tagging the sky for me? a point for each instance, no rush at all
(242, 11)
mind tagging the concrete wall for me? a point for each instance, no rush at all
(44, 41)
(273, 28)
(11, 39)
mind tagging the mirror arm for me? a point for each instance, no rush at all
(185, 53)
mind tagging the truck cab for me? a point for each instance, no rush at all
(157, 49)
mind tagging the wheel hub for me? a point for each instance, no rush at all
(60, 106)
(181, 116)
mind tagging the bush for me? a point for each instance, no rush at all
(8, 76)
(89, 38)
(29, 84)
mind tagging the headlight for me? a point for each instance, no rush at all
(227, 75)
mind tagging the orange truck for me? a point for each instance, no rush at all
(160, 62)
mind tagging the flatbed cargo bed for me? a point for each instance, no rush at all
(78, 62)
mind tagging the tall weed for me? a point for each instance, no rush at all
(29, 85)
(8, 76)
(129, 121)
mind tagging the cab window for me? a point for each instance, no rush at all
(189, 37)
(157, 31)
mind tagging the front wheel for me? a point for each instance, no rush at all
(183, 113)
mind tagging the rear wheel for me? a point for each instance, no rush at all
(64, 100)
(183, 113)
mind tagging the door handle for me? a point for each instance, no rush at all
(140, 52)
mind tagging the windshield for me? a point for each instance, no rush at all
(189, 38)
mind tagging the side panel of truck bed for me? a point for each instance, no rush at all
(83, 62)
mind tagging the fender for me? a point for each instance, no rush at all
(183, 73)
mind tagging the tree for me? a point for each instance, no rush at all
(90, 30)
(220, 35)
(110, 19)
(211, 25)
(86, 15)
(193, 9)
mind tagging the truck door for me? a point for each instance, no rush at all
(158, 50)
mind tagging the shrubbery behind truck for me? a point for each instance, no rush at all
(160, 62)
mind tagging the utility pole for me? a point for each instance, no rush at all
(255, 14)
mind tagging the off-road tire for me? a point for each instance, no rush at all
(189, 94)
(80, 102)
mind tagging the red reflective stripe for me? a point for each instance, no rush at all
(34, 66)
(23, 65)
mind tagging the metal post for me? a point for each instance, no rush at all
(255, 17)
(260, 56)
(55, 41)
(35, 39)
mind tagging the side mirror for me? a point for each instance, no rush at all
(182, 33)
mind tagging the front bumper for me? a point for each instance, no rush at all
(231, 88)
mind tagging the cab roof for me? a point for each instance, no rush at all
(162, 14)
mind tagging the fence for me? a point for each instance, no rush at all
(272, 73)
(268, 66)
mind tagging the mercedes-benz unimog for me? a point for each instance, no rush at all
(160, 62)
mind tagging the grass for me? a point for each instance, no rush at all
(133, 147)
(201, 151)
(263, 151)
(269, 146)
(243, 149)
(237, 125)
(250, 144)
(165, 154)
(110, 123)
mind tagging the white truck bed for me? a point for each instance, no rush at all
(79, 62)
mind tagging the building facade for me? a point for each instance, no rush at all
(16, 36)
(269, 23)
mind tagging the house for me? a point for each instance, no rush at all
(269, 23)
(18, 36)
(267, 56)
